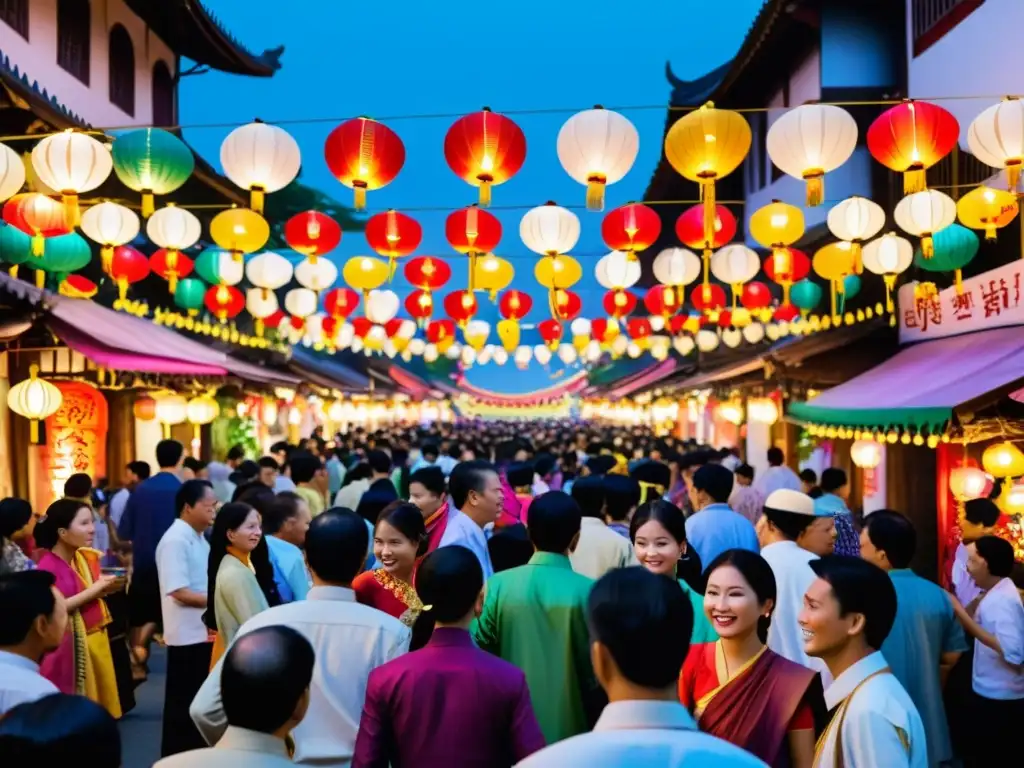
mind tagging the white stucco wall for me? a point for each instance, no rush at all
(37, 58)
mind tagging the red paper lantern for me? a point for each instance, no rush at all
(427, 273)
(393, 234)
(638, 328)
(663, 300)
(224, 301)
(171, 266)
(460, 306)
(787, 265)
(472, 230)
(440, 331)
(364, 154)
(514, 305)
(565, 305)
(78, 287)
(126, 267)
(786, 313)
(690, 228)
(360, 327)
(36, 215)
(708, 298)
(631, 228)
(603, 330)
(677, 324)
(619, 303)
(312, 233)
(912, 137)
(420, 305)
(485, 149)
(550, 331)
(275, 320)
(341, 302)
(144, 408)
(725, 318)
(393, 326)
(756, 295)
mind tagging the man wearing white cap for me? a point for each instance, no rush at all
(791, 536)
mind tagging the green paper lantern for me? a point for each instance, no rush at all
(219, 267)
(851, 286)
(63, 253)
(189, 294)
(153, 162)
(955, 246)
(805, 295)
(15, 245)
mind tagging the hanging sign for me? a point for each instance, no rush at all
(991, 300)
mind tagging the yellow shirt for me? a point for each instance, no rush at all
(314, 498)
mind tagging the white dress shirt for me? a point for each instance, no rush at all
(237, 747)
(643, 733)
(350, 496)
(777, 478)
(1000, 613)
(600, 550)
(182, 559)
(350, 640)
(20, 681)
(463, 531)
(793, 576)
(963, 583)
(117, 504)
(880, 724)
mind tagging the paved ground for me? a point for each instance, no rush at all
(140, 728)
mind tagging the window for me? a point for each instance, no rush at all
(122, 69)
(73, 36)
(163, 96)
(932, 19)
(14, 13)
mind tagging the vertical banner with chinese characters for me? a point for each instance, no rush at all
(990, 300)
(76, 441)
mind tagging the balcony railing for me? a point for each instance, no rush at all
(931, 19)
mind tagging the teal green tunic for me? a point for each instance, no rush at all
(703, 632)
(535, 617)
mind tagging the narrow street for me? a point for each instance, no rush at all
(140, 728)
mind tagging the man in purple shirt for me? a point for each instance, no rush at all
(449, 703)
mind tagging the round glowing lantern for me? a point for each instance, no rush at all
(597, 147)
(260, 158)
(170, 411)
(763, 410)
(706, 145)
(550, 230)
(564, 305)
(34, 399)
(617, 271)
(144, 408)
(472, 231)
(662, 301)
(442, 334)
(71, 163)
(955, 247)
(806, 295)
(110, 225)
(922, 214)
(364, 273)
(189, 294)
(631, 228)
(312, 233)
(550, 331)
(889, 256)
(911, 137)
(393, 234)
(708, 298)
(78, 287)
(224, 301)
(492, 275)
(866, 454)
(676, 267)
(734, 265)
(690, 229)
(639, 329)
(199, 411)
(988, 209)
(508, 333)
(856, 220)
(300, 302)
(160, 263)
(427, 273)
(15, 247)
(364, 155)
(269, 271)
(966, 483)
(260, 305)
(809, 141)
(580, 330)
(1003, 459)
(64, 254)
(174, 229)
(316, 275)
(127, 266)
(556, 272)
(38, 216)
(239, 231)
(618, 303)
(707, 341)
(218, 267)
(515, 305)
(604, 330)
(485, 149)
(381, 306)
(151, 161)
(475, 332)
(340, 303)
(756, 295)
(787, 266)
(420, 305)
(996, 138)
(777, 226)
(12, 172)
(460, 306)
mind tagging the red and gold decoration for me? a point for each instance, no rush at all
(364, 155)
(472, 231)
(393, 235)
(631, 228)
(910, 138)
(485, 149)
(312, 234)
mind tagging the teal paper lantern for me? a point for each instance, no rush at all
(805, 295)
(153, 162)
(219, 267)
(955, 247)
(189, 295)
(15, 247)
(62, 255)
(851, 286)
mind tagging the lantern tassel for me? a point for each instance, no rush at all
(472, 271)
(257, 197)
(958, 277)
(858, 260)
(927, 246)
(40, 279)
(914, 180)
(33, 431)
(595, 193)
(148, 204)
(990, 233)
(786, 285)
(815, 187)
(706, 257)
(172, 282)
(107, 258)
(13, 271)
(259, 327)
(1013, 175)
(38, 244)
(485, 193)
(890, 284)
(72, 211)
(707, 188)
(167, 431)
(359, 196)
(122, 288)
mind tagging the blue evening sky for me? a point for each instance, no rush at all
(389, 60)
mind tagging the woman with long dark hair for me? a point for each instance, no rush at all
(736, 687)
(16, 521)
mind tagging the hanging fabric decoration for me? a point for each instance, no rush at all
(71, 163)
(364, 273)
(987, 209)
(472, 231)
(597, 147)
(492, 275)
(239, 231)
(690, 231)
(922, 214)
(856, 220)
(110, 225)
(173, 229)
(810, 140)
(151, 161)
(996, 138)
(12, 173)
(631, 228)
(777, 226)
(735, 265)
(911, 137)
(260, 158)
(485, 149)
(312, 234)
(127, 266)
(38, 216)
(954, 248)
(889, 256)
(393, 235)
(364, 155)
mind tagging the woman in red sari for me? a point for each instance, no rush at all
(737, 688)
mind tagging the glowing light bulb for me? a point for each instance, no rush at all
(487, 164)
(779, 220)
(366, 264)
(709, 137)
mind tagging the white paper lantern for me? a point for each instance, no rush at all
(683, 345)
(889, 254)
(619, 345)
(260, 304)
(732, 337)
(542, 354)
(314, 328)
(856, 219)
(593, 351)
(657, 323)
(300, 302)
(356, 346)
(173, 228)
(996, 137)
(522, 357)
(71, 163)
(771, 331)
(617, 271)
(866, 454)
(228, 269)
(269, 271)
(484, 356)
(260, 158)
(597, 147)
(660, 346)
(676, 266)
(390, 349)
(549, 230)
(922, 214)
(317, 276)
(12, 172)
(580, 327)
(754, 333)
(454, 352)
(110, 225)
(381, 305)
(735, 264)
(633, 350)
(707, 341)
(500, 356)
(406, 329)
(468, 356)
(344, 336)
(809, 141)
(375, 339)
(567, 353)
(417, 346)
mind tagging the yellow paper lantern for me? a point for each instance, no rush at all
(492, 274)
(475, 333)
(763, 410)
(866, 454)
(988, 209)
(508, 332)
(364, 273)
(554, 272)
(201, 410)
(240, 231)
(966, 483)
(34, 399)
(704, 146)
(1003, 460)
(171, 410)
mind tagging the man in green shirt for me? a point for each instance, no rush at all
(535, 617)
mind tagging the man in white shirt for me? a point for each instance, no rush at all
(979, 519)
(787, 531)
(134, 473)
(848, 612)
(182, 557)
(599, 549)
(33, 619)
(265, 682)
(349, 640)
(778, 476)
(997, 708)
(639, 623)
(477, 501)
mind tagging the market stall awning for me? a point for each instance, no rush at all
(921, 386)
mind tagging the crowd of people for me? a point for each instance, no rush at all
(497, 594)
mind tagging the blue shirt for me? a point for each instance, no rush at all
(847, 538)
(147, 516)
(925, 628)
(718, 528)
(290, 573)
